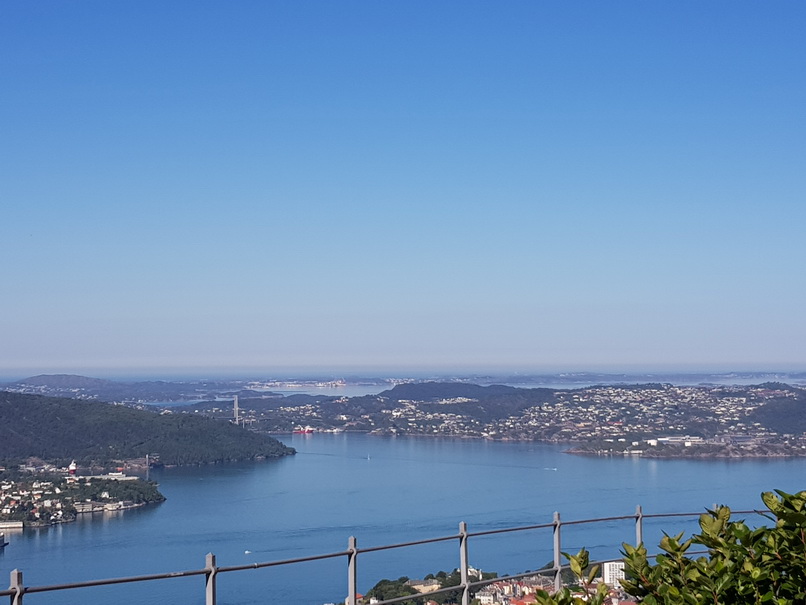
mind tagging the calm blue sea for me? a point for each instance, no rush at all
(380, 490)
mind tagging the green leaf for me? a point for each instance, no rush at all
(594, 571)
(770, 500)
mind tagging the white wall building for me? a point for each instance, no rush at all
(612, 572)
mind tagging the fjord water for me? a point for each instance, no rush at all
(380, 490)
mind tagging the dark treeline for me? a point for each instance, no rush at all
(59, 430)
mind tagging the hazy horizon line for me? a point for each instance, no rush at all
(399, 371)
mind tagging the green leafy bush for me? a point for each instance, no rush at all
(585, 574)
(743, 565)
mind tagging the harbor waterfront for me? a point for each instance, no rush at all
(382, 490)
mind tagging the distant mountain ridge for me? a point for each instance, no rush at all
(471, 386)
(84, 387)
(62, 381)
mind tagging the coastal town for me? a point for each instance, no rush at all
(642, 420)
(39, 494)
(519, 590)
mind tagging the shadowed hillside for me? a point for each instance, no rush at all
(58, 429)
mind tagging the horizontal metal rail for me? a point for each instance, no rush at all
(405, 544)
(332, 555)
(112, 581)
(755, 511)
(17, 589)
(507, 530)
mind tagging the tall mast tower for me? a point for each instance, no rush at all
(235, 410)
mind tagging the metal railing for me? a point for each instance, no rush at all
(17, 589)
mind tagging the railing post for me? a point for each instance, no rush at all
(463, 563)
(352, 571)
(639, 526)
(16, 584)
(558, 580)
(210, 579)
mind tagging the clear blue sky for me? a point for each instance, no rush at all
(411, 184)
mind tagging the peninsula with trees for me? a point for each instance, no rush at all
(59, 430)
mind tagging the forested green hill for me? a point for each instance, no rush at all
(59, 430)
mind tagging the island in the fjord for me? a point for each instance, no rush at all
(60, 457)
